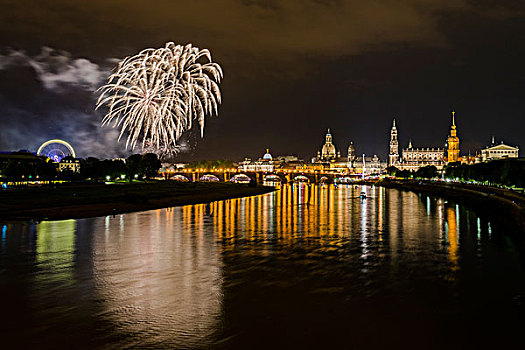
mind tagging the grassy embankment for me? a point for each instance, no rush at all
(506, 207)
(86, 200)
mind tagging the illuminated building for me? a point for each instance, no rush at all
(328, 152)
(291, 162)
(287, 159)
(501, 151)
(413, 158)
(264, 164)
(26, 159)
(367, 165)
(20, 156)
(393, 156)
(330, 158)
(453, 143)
(470, 159)
(351, 152)
(69, 163)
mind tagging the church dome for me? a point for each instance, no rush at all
(267, 156)
(328, 151)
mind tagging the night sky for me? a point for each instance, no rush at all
(292, 69)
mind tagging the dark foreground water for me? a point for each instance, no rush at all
(304, 267)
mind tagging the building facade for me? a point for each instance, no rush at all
(393, 156)
(264, 164)
(453, 143)
(501, 151)
(329, 158)
(367, 165)
(69, 163)
(413, 158)
(328, 152)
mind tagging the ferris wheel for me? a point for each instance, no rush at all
(56, 150)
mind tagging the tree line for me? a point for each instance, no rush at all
(507, 172)
(136, 166)
(426, 172)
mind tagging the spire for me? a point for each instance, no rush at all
(410, 143)
(453, 120)
(493, 141)
(328, 136)
(394, 126)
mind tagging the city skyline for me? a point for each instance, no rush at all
(290, 71)
(409, 143)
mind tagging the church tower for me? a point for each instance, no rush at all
(453, 142)
(351, 152)
(393, 156)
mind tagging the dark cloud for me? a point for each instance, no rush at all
(55, 101)
(57, 70)
(271, 27)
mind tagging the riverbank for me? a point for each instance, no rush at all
(74, 201)
(505, 206)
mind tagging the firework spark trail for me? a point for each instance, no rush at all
(156, 94)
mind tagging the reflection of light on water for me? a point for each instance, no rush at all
(479, 228)
(380, 208)
(331, 211)
(440, 218)
(55, 250)
(364, 238)
(158, 276)
(4, 234)
(452, 237)
(106, 225)
(163, 281)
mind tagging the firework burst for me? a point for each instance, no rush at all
(155, 95)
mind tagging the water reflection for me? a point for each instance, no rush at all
(55, 248)
(160, 276)
(452, 233)
(303, 263)
(386, 220)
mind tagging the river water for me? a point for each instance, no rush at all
(303, 267)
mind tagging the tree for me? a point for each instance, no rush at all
(46, 170)
(113, 168)
(16, 169)
(392, 170)
(133, 166)
(510, 172)
(427, 172)
(150, 165)
(404, 174)
(91, 168)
